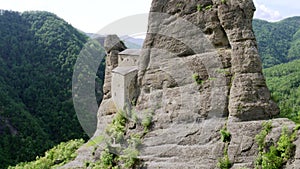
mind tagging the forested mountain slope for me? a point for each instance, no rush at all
(279, 47)
(279, 41)
(284, 83)
(37, 53)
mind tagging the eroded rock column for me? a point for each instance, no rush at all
(249, 97)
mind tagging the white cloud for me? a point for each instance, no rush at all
(263, 12)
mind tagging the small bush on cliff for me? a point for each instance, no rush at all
(278, 154)
(208, 7)
(126, 151)
(225, 135)
(197, 79)
(146, 122)
(107, 159)
(271, 159)
(285, 144)
(199, 7)
(117, 128)
(224, 163)
(130, 157)
(260, 138)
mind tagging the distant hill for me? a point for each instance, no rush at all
(130, 42)
(37, 53)
(284, 83)
(278, 42)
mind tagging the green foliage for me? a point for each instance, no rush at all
(223, 1)
(197, 79)
(146, 122)
(107, 159)
(199, 7)
(37, 56)
(95, 141)
(225, 135)
(130, 157)
(278, 154)
(260, 138)
(208, 7)
(57, 156)
(117, 128)
(179, 4)
(135, 141)
(224, 163)
(285, 144)
(225, 72)
(278, 42)
(122, 157)
(297, 127)
(284, 83)
(271, 159)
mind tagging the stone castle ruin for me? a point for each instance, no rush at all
(124, 79)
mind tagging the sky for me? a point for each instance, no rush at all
(93, 15)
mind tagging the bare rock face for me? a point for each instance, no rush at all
(199, 73)
(227, 30)
(199, 66)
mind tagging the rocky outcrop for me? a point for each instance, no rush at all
(214, 41)
(112, 46)
(199, 73)
(227, 31)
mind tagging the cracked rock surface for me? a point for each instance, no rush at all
(199, 71)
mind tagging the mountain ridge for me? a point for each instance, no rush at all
(278, 41)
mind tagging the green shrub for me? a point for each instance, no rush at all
(223, 1)
(208, 7)
(277, 155)
(224, 163)
(57, 156)
(135, 141)
(285, 144)
(225, 135)
(199, 7)
(260, 138)
(130, 157)
(197, 79)
(118, 126)
(297, 127)
(107, 159)
(146, 122)
(179, 4)
(271, 160)
(123, 157)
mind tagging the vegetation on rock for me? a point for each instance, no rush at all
(275, 155)
(55, 157)
(224, 162)
(122, 148)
